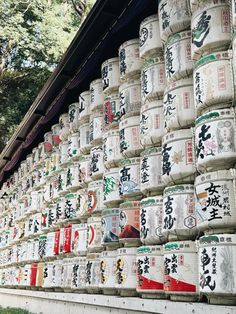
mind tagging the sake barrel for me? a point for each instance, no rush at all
(96, 165)
(29, 164)
(178, 157)
(129, 61)
(153, 79)
(73, 146)
(150, 171)
(233, 12)
(96, 94)
(84, 170)
(151, 123)
(83, 204)
(151, 214)
(60, 210)
(61, 182)
(50, 245)
(110, 75)
(181, 271)
(42, 246)
(35, 153)
(217, 273)
(129, 232)
(84, 107)
(149, 37)
(129, 184)
(55, 161)
(57, 275)
(79, 238)
(67, 239)
(73, 115)
(111, 148)
(130, 137)
(74, 273)
(215, 201)
(173, 17)
(84, 138)
(108, 272)
(39, 277)
(215, 140)
(55, 134)
(179, 215)
(67, 274)
(178, 62)
(71, 206)
(150, 271)
(213, 81)
(79, 274)
(64, 126)
(95, 197)
(111, 187)
(96, 127)
(47, 142)
(110, 227)
(111, 111)
(130, 98)
(72, 176)
(42, 155)
(93, 272)
(126, 271)
(178, 103)
(63, 149)
(94, 234)
(211, 29)
(47, 275)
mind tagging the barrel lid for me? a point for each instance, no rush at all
(96, 113)
(178, 189)
(151, 150)
(130, 161)
(74, 134)
(216, 176)
(130, 204)
(178, 84)
(84, 125)
(108, 254)
(108, 211)
(96, 148)
(93, 256)
(84, 158)
(95, 183)
(129, 42)
(152, 61)
(84, 93)
(199, 6)
(180, 246)
(130, 121)
(82, 225)
(222, 239)
(127, 250)
(74, 104)
(129, 84)
(152, 200)
(111, 170)
(71, 195)
(215, 115)
(94, 82)
(177, 135)
(114, 132)
(112, 96)
(216, 56)
(149, 19)
(152, 249)
(93, 219)
(177, 37)
(111, 60)
(65, 142)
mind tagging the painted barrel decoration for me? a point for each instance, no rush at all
(84, 107)
(149, 37)
(181, 270)
(110, 227)
(83, 204)
(178, 62)
(61, 182)
(71, 206)
(96, 165)
(217, 273)
(94, 234)
(129, 232)
(151, 216)
(108, 271)
(129, 183)
(111, 148)
(174, 16)
(72, 176)
(153, 79)
(178, 157)
(96, 94)
(93, 272)
(178, 103)
(79, 238)
(84, 131)
(64, 126)
(130, 136)
(111, 193)
(67, 239)
(73, 114)
(73, 146)
(78, 281)
(215, 201)
(47, 274)
(211, 29)
(111, 111)
(63, 150)
(84, 170)
(47, 144)
(55, 135)
(126, 271)
(110, 75)
(129, 61)
(151, 123)
(95, 127)
(213, 81)
(215, 140)
(95, 197)
(60, 210)
(150, 171)
(233, 12)
(150, 270)
(179, 215)
(55, 161)
(130, 98)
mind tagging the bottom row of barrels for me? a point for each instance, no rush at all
(184, 270)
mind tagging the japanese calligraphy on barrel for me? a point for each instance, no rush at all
(110, 75)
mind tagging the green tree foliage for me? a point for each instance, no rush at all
(34, 34)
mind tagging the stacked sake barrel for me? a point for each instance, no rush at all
(214, 97)
(178, 169)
